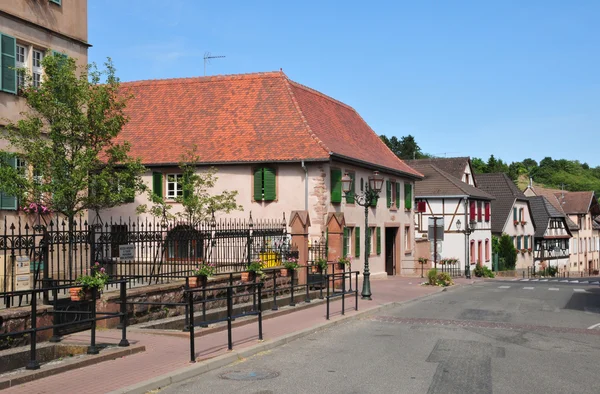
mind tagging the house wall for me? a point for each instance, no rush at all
(46, 18)
(468, 175)
(524, 260)
(455, 241)
(550, 235)
(584, 251)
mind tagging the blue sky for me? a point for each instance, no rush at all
(515, 79)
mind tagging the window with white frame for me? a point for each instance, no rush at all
(21, 166)
(21, 62)
(36, 67)
(174, 185)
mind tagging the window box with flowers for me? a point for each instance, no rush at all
(320, 266)
(423, 260)
(93, 282)
(516, 222)
(523, 251)
(290, 265)
(343, 262)
(523, 222)
(254, 269)
(529, 250)
(200, 275)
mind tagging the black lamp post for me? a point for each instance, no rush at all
(364, 200)
(468, 230)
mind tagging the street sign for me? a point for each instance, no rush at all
(438, 224)
(439, 247)
(127, 252)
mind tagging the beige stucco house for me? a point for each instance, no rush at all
(283, 147)
(511, 215)
(29, 29)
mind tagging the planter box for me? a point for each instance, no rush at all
(197, 281)
(248, 276)
(78, 294)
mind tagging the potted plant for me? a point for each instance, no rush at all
(343, 262)
(516, 222)
(291, 264)
(320, 266)
(523, 251)
(96, 278)
(423, 260)
(529, 250)
(200, 275)
(255, 268)
(523, 222)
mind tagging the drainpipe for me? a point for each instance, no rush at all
(305, 186)
(467, 245)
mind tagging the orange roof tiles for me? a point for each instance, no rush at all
(262, 117)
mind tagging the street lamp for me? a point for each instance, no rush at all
(468, 230)
(364, 200)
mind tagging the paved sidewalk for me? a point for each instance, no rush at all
(167, 354)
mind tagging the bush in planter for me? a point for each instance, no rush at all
(289, 265)
(432, 277)
(444, 279)
(321, 264)
(97, 278)
(482, 271)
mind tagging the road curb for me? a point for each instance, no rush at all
(220, 361)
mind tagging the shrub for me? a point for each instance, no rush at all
(444, 279)
(483, 271)
(432, 277)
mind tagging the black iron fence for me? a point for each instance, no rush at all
(147, 251)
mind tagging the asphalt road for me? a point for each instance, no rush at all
(500, 337)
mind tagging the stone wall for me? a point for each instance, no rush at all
(19, 319)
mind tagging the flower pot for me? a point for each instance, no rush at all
(248, 276)
(315, 269)
(284, 272)
(341, 266)
(197, 281)
(81, 294)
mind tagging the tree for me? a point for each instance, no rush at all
(406, 148)
(66, 142)
(479, 166)
(197, 202)
(507, 254)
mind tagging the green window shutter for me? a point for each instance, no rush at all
(519, 243)
(526, 242)
(63, 57)
(515, 214)
(345, 247)
(357, 242)
(336, 185)
(270, 184)
(258, 184)
(397, 194)
(407, 196)
(351, 193)
(8, 73)
(388, 189)
(378, 240)
(58, 2)
(6, 201)
(157, 183)
(368, 234)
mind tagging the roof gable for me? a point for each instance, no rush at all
(541, 212)
(440, 183)
(262, 117)
(579, 203)
(506, 192)
(454, 166)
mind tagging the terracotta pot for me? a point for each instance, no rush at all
(248, 276)
(284, 272)
(315, 269)
(197, 281)
(78, 294)
(341, 266)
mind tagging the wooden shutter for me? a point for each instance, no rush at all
(269, 184)
(378, 240)
(519, 243)
(258, 184)
(388, 193)
(351, 193)
(527, 242)
(397, 194)
(357, 241)
(515, 214)
(157, 183)
(336, 185)
(407, 196)
(472, 210)
(8, 73)
(345, 247)
(479, 216)
(487, 211)
(6, 201)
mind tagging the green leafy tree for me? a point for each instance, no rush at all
(197, 201)
(506, 252)
(479, 166)
(67, 140)
(405, 148)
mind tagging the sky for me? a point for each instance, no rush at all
(515, 79)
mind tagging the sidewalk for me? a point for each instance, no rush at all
(167, 354)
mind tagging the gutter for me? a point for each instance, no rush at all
(365, 164)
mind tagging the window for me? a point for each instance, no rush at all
(336, 185)
(479, 252)
(408, 196)
(265, 184)
(57, 2)
(372, 237)
(487, 249)
(393, 194)
(21, 62)
(36, 67)
(174, 185)
(407, 240)
(466, 177)
(472, 251)
(347, 241)
(8, 74)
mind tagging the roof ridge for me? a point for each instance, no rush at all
(323, 95)
(312, 134)
(457, 182)
(204, 79)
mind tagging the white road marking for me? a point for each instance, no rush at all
(574, 281)
(564, 281)
(584, 281)
(544, 280)
(594, 326)
(535, 280)
(554, 280)
(504, 287)
(595, 283)
(579, 290)
(553, 289)
(524, 280)
(528, 288)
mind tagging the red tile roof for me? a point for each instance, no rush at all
(261, 117)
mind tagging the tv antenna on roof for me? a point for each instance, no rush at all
(207, 57)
